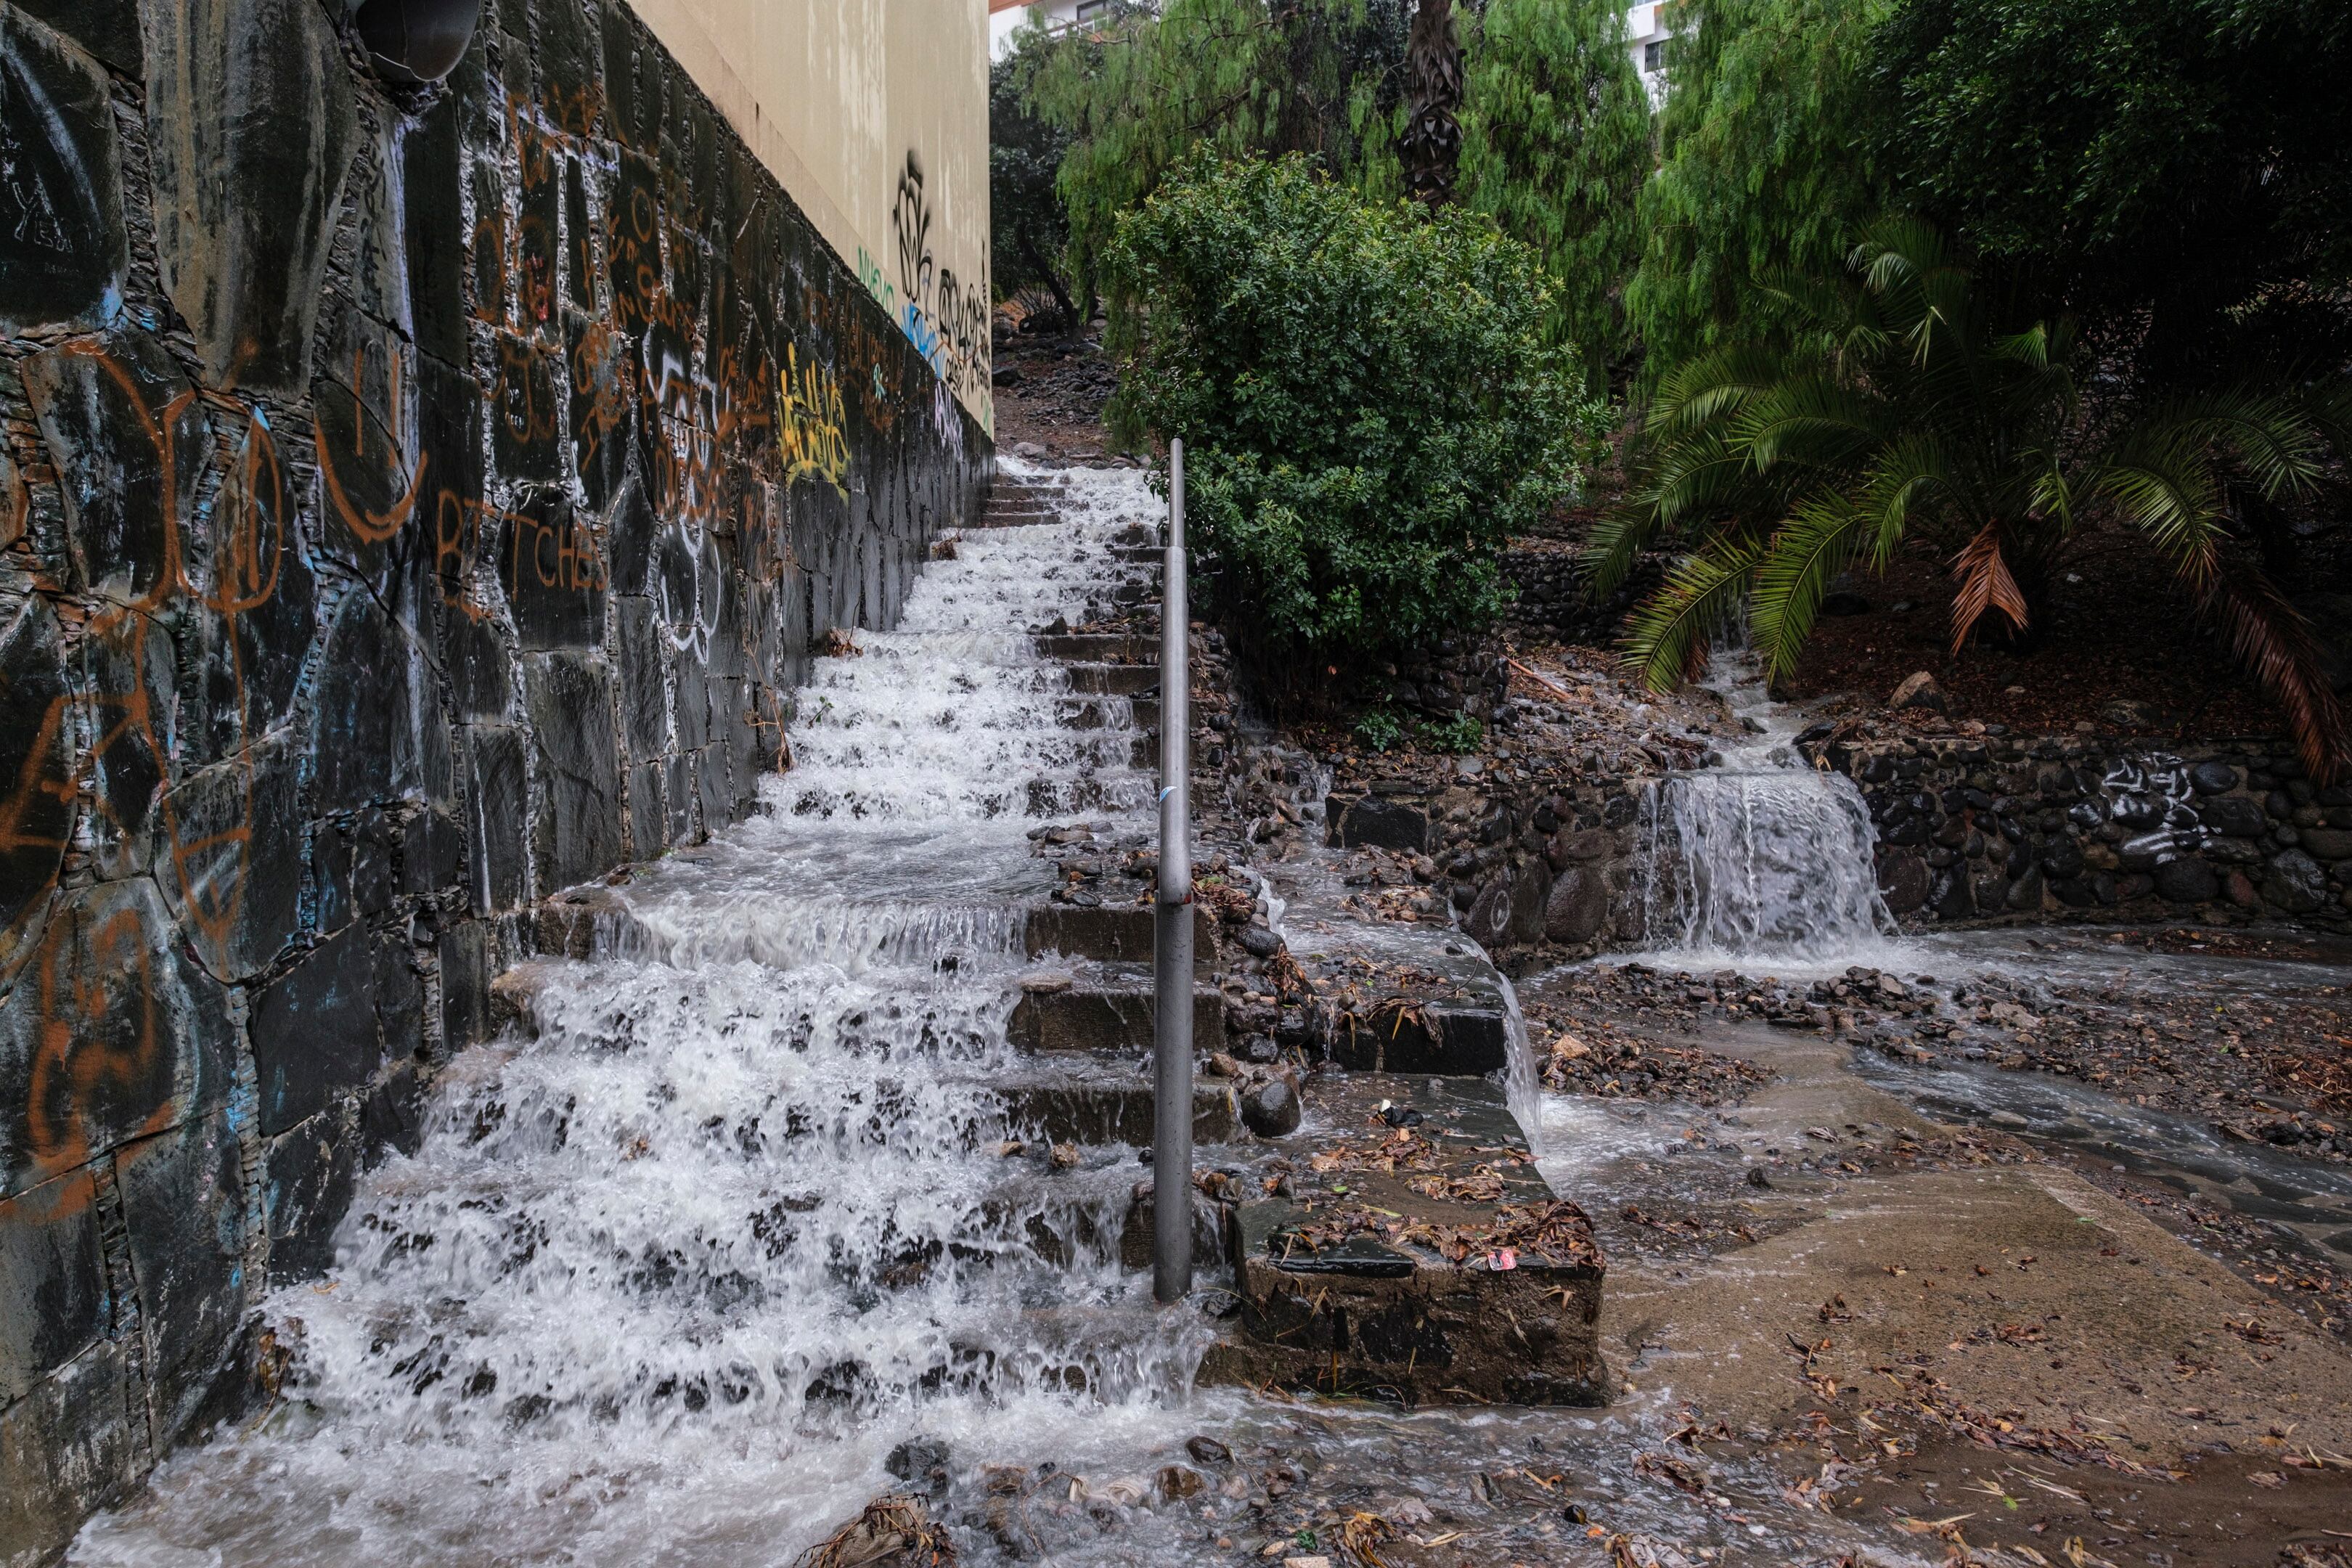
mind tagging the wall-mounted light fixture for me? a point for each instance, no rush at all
(416, 40)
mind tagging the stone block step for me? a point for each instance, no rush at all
(1084, 711)
(1452, 1275)
(584, 923)
(1106, 1009)
(1100, 648)
(1460, 1040)
(1112, 934)
(1090, 1102)
(1115, 679)
(1066, 1097)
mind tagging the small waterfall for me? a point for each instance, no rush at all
(1763, 856)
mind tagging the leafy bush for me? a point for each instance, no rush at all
(1454, 737)
(1379, 729)
(1368, 409)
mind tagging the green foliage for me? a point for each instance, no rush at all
(1454, 737)
(1136, 93)
(1766, 166)
(1367, 414)
(1379, 729)
(2178, 175)
(1556, 145)
(1907, 409)
(1029, 228)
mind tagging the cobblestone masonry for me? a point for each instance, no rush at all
(1985, 829)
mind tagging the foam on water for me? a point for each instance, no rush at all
(665, 1282)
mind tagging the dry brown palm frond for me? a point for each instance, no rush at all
(2272, 639)
(1985, 583)
(893, 1531)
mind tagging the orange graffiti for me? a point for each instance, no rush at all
(81, 1052)
(371, 527)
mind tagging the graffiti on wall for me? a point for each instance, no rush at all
(945, 317)
(809, 423)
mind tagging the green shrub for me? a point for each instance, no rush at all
(1453, 736)
(1379, 729)
(1368, 409)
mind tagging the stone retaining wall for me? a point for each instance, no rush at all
(413, 501)
(1524, 857)
(2028, 829)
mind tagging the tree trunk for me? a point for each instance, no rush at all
(1432, 145)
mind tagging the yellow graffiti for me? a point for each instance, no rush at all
(809, 422)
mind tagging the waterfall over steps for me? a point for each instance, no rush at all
(675, 1270)
(1763, 858)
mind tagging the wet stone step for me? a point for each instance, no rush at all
(1114, 680)
(1091, 1103)
(1109, 933)
(1465, 1041)
(1102, 647)
(1092, 711)
(1108, 1018)
(1418, 1258)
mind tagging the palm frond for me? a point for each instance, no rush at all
(1710, 386)
(2168, 488)
(1612, 547)
(2276, 438)
(1668, 637)
(2275, 642)
(1702, 477)
(1804, 557)
(1812, 419)
(1906, 470)
(1985, 583)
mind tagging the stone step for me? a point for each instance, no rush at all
(1106, 1009)
(1467, 1039)
(1100, 648)
(581, 922)
(1115, 679)
(1087, 1102)
(1114, 934)
(1095, 711)
(1350, 1285)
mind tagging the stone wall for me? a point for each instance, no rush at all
(2002, 828)
(1524, 857)
(1552, 603)
(413, 501)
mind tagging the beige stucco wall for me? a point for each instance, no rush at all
(874, 115)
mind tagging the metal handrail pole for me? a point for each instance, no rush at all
(1171, 947)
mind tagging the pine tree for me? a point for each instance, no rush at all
(1765, 168)
(1138, 92)
(1556, 145)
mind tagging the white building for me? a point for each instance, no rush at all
(1649, 35)
(1004, 16)
(1648, 31)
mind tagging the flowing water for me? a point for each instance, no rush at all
(1762, 857)
(667, 1282)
